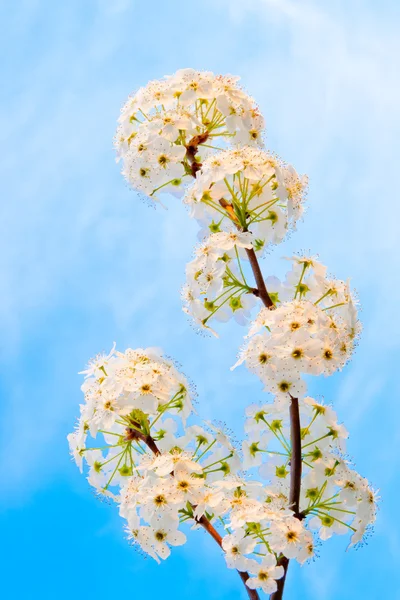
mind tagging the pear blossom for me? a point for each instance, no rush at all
(169, 126)
(216, 288)
(313, 330)
(289, 485)
(236, 546)
(265, 574)
(250, 189)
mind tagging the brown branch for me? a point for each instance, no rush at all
(132, 434)
(191, 151)
(295, 459)
(152, 445)
(261, 288)
(295, 484)
(204, 522)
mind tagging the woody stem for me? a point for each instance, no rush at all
(261, 288)
(295, 484)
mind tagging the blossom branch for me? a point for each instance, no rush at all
(260, 291)
(160, 138)
(203, 521)
(295, 461)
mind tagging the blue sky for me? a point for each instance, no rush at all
(83, 263)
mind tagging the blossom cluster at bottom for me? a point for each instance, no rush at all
(165, 473)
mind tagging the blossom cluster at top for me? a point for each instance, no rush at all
(163, 472)
(172, 124)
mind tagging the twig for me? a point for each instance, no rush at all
(204, 522)
(261, 288)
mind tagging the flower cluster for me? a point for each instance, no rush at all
(179, 482)
(313, 330)
(196, 482)
(163, 472)
(291, 485)
(169, 126)
(125, 393)
(216, 287)
(334, 497)
(249, 189)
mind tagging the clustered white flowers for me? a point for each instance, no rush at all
(216, 287)
(290, 485)
(168, 127)
(124, 393)
(134, 436)
(313, 329)
(248, 188)
(334, 497)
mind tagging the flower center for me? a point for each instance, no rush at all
(160, 500)
(284, 386)
(291, 536)
(160, 536)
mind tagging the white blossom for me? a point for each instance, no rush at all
(216, 288)
(250, 189)
(171, 123)
(133, 439)
(312, 330)
(265, 574)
